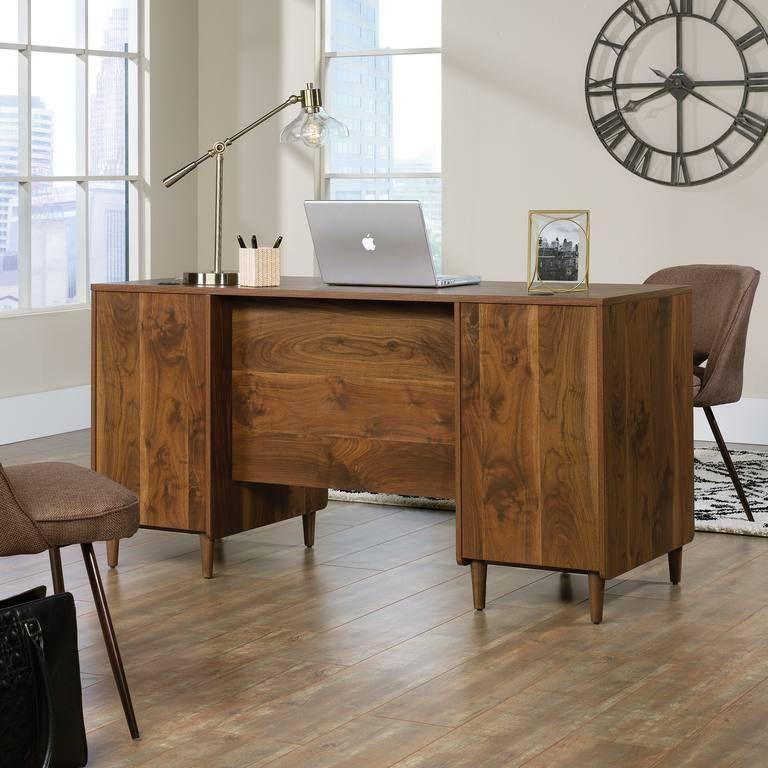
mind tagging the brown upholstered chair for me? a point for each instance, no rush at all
(53, 505)
(722, 302)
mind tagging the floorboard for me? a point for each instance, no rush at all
(365, 651)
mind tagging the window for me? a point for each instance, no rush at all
(394, 48)
(69, 149)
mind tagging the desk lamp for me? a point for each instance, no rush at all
(312, 127)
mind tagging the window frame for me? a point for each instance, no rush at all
(323, 177)
(137, 199)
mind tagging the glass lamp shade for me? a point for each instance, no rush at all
(313, 129)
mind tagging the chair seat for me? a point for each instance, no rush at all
(696, 385)
(72, 505)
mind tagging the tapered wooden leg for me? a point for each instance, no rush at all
(479, 578)
(596, 595)
(206, 555)
(57, 574)
(113, 552)
(675, 558)
(110, 640)
(308, 521)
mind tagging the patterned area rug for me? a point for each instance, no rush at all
(717, 506)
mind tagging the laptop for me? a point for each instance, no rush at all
(375, 242)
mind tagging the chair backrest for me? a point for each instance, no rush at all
(722, 302)
(18, 533)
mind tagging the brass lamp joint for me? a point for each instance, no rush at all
(311, 99)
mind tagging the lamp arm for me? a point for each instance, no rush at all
(219, 147)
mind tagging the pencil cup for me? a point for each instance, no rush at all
(259, 267)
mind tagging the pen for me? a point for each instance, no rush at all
(278, 241)
(241, 241)
(254, 242)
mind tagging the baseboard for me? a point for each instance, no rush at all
(42, 414)
(742, 422)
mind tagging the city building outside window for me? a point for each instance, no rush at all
(381, 63)
(69, 149)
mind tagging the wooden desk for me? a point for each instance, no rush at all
(562, 425)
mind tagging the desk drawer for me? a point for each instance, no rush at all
(358, 395)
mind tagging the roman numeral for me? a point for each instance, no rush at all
(751, 126)
(722, 158)
(718, 11)
(638, 158)
(686, 7)
(680, 175)
(757, 81)
(672, 7)
(609, 126)
(617, 48)
(751, 38)
(600, 87)
(637, 13)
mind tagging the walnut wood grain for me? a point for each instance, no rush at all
(486, 292)
(562, 424)
(529, 436)
(344, 395)
(240, 506)
(568, 422)
(115, 388)
(351, 339)
(173, 419)
(373, 408)
(162, 416)
(415, 469)
(647, 430)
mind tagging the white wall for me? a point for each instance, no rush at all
(172, 130)
(517, 137)
(252, 56)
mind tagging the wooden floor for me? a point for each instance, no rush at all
(365, 652)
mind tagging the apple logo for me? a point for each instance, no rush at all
(368, 243)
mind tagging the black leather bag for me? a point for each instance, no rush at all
(41, 707)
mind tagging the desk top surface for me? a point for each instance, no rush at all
(484, 293)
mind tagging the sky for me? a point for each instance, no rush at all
(416, 79)
(403, 24)
(562, 229)
(54, 75)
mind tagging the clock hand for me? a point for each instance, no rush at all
(659, 73)
(737, 118)
(632, 106)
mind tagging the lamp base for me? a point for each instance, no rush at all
(210, 278)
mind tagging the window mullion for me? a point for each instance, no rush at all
(82, 214)
(141, 252)
(25, 244)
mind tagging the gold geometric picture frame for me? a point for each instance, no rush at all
(558, 251)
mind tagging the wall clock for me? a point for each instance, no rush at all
(677, 90)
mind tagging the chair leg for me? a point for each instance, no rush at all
(57, 573)
(728, 462)
(113, 651)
